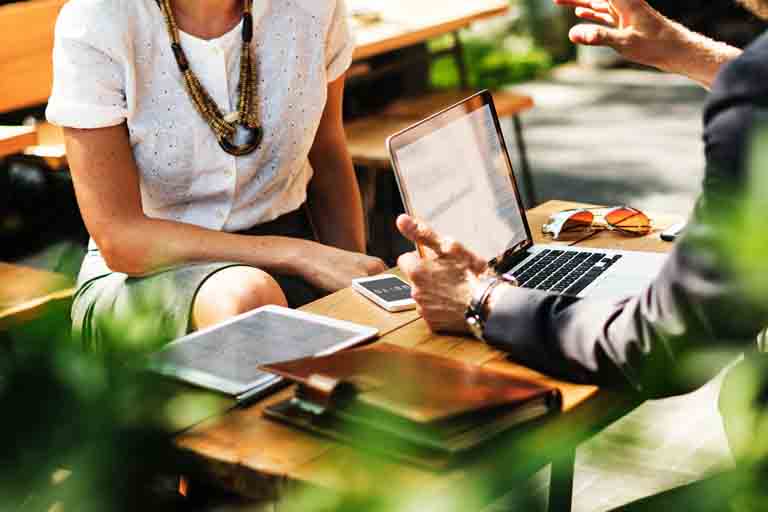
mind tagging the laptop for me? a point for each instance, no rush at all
(454, 172)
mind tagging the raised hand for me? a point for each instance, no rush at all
(632, 27)
(643, 35)
(444, 279)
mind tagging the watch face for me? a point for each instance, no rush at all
(390, 289)
(475, 326)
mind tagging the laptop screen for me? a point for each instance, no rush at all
(454, 173)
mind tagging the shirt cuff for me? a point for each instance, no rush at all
(340, 62)
(512, 324)
(74, 115)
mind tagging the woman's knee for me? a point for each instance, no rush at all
(234, 291)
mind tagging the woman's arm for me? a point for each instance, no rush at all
(334, 196)
(106, 183)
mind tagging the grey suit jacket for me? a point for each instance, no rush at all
(697, 302)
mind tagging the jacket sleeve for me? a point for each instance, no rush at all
(698, 302)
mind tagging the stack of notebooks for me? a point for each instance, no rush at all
(415, 406)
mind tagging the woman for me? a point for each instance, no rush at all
(202, 136)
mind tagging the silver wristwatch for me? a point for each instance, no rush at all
(477, 313)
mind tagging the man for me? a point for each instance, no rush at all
(699, 300)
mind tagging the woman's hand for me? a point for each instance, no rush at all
(332, 269)
(443, 283)
(643, 35)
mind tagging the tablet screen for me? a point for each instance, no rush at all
(227, 357)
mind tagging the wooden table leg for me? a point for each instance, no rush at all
(366, 179)
(561, 482)
(525, 166)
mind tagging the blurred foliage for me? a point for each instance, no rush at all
(92, 431)
(86, 431)
(748, 219)
(490, 65)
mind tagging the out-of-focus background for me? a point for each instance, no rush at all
(601, 131)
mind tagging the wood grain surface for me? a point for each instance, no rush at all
(13, 139)
(26, 67)
(406, 23)
(248, 454)
(25, 291)
(366, 137)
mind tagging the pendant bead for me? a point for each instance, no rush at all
(238, 133)
(254, 137)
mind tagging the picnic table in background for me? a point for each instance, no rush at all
(382, 26)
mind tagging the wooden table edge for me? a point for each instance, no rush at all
(574, 426)
(29, 309)
(419, 35)
(15, 139)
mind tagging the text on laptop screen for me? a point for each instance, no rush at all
(457, 180)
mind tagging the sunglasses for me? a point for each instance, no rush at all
(624, 219)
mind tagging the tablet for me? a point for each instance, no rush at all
(226, 357)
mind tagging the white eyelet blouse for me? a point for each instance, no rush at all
(113, 63)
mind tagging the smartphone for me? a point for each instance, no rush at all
(387, 291)
(670, 234)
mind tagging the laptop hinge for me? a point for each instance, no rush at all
(510, 258)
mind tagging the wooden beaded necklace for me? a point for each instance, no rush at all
(238, 133)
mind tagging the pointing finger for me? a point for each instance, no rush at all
(419, 233)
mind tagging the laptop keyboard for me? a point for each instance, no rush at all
(565, 272)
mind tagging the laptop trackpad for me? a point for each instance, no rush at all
(629, 277)
(616, 286)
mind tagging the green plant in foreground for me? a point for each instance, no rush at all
(86, 431)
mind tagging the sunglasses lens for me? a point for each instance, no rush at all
(629, 220)
(578, 221)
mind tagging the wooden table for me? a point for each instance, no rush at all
(26, 66)
(246, 453)
(25, 292)
(13, 139)
(406, 23)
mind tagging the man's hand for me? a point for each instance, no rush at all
(631, 27)
(643, 35)
(444, 280)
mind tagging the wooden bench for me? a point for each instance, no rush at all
(366, 140)
(14, 139)
(25, 292)
(366, 137)
(26, 67)
(26, 77)
(49, 146)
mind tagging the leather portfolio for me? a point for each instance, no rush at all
(413, 405)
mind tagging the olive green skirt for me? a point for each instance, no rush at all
(110, 307)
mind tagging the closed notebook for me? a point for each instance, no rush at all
(410, 404)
